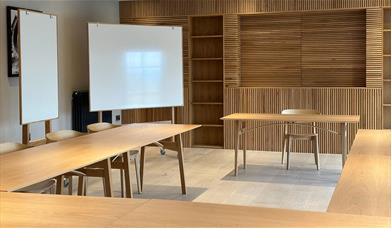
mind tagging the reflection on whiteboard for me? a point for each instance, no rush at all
(135, 67)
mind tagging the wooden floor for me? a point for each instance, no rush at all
(209, 178)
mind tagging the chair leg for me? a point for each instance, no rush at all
(135, 158)
(288, 151)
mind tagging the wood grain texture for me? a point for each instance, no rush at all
(325, 49)
(365, 184)
(56, 210)
(334, 101)
(142, 8)
(231, 51)
(374, 45)
(23, 168)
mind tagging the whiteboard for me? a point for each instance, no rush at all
(135, 66)
(38, 82)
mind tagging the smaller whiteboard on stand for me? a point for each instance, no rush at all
(38, 83)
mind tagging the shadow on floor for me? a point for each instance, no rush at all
(278, 174)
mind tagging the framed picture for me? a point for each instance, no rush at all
(12, 41)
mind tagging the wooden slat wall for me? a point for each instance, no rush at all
(374, 41)
(143, 8)
(158, 114)
(270, 50)
(231, 51)
(356, 101)
(303, 49)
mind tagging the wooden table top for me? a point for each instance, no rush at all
(34, 210)
(365, 184)
(294, 117)
(23, 168)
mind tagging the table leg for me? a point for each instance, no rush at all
(107, 178)
(237, 142)
(344, 141)
(128, 179)
(142, 161)
(59, 184)
(178, 140)
(244, 146)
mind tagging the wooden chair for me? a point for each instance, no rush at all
(60, 136)
(47, 186)
(289, 137)
(117, 162)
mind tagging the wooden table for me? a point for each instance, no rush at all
(240, 119)
(26, 167)
(34, 210)
(365, 184)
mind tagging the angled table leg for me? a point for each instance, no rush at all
(244, 146)
(237, 142)
(344, 142)
(142, 161)
(107, 178)
(59, 184)
(178, 141)
(128, 179)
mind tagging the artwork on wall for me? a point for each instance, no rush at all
(12, 41)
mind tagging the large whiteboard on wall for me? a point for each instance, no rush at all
(134, 66)
(38, 82)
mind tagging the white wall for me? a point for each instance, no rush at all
(72, 19)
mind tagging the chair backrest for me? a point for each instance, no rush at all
(11, 147)
(300, 111)
(62, 135)
(99, 127)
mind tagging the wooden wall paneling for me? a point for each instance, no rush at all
(158, 114)
(270, 50)
(387, 68)
(333, 49)
(231, 51)
(303, 49)
(154, 8)
(356, 101)
(374, 45)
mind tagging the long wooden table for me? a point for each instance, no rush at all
(34, 210)
(240, 129)
(365, 184)
(26, 167)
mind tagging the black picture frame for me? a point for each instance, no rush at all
(12, 40)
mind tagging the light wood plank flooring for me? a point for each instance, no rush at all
(265, 182)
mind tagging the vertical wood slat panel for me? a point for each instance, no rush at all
(354, 101)
(156, 8)
(231, 51)
(303, 49)
(158, 114)
(374, 57)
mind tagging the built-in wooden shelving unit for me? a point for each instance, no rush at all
(206, 49)
(387, 69)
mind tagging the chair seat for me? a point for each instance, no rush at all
(40, 187)
(302, 136)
